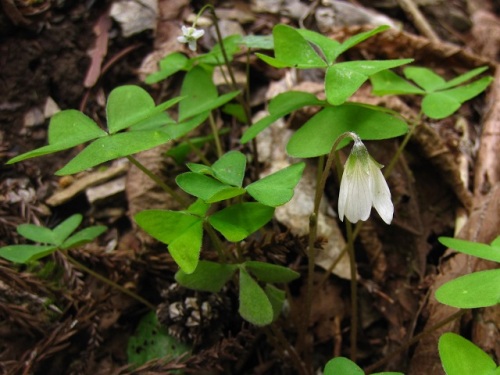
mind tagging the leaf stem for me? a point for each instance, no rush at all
(157, 180)
(109, 282)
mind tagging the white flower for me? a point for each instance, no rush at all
(189, 36)
(363, 185)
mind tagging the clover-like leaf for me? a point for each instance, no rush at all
(152, 341)
(343, 79)
(37, 233)
(478, 289)
(26, 253)
(277, 188)
(206, 188)
(208, 276)
(276, 297)
(480, 250)
(387, 82)
(342, 366)
(113, 147)
(441, 104)
(230, 168)
(83, 236)
(238, 221)
(127, 105)
(67, 129)
(317, 136)
(181, 231)
(169, 65)
(255, 306)
(271, 273)
(459, 356)
(280, 106)
(64, 229)
(291, 49)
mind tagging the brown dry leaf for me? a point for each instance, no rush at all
(98, 52)
(482, 226)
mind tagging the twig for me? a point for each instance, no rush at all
(418, 18)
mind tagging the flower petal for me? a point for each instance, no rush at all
(355, 198)
(192, 45)
(381, 195)
(198, 33)
(182, 39)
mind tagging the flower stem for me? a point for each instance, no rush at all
(109, 282)
(157, 180)
(313, 228)
(354, 290)
(215, 132)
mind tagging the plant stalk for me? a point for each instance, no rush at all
(158, 181)
(129, 293)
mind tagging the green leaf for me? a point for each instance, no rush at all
(258, 41)
(151, 341)
(114, 147)
(232, 45)
(280, 106)
(292, 50)
(271, 273)
(67, 129)
(84, 236)
(237, 111)
(387, 82)
(127, 105)
(198, 208)
(255, 306)
(26, 253)
(169, 65)
(464, 77)
(442, 104)
(328, 46)
(182, 231)
(478, 289)
(64, 229)
(36, 233)
(317, 136)
(276, 297)
(230, 168)
(206, 188)
(208, 105)
(277, 188)
(153, 122)
(180, 152)
(344, 79)
(342, 366)
(176, 131)
(496, 244)
(358, 38)
(237, 222)
(459, 356)
(208, 276)
(479, 250)
(425, 78)
(199, 90)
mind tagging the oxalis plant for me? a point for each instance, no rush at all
(225, 204)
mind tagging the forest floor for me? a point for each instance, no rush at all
(57, 319)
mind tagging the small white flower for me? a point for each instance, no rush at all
(189, 36)
(363, 185)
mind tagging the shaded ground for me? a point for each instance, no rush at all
(56, 319)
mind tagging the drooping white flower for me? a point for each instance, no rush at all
(363, 185)
(189, 36)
